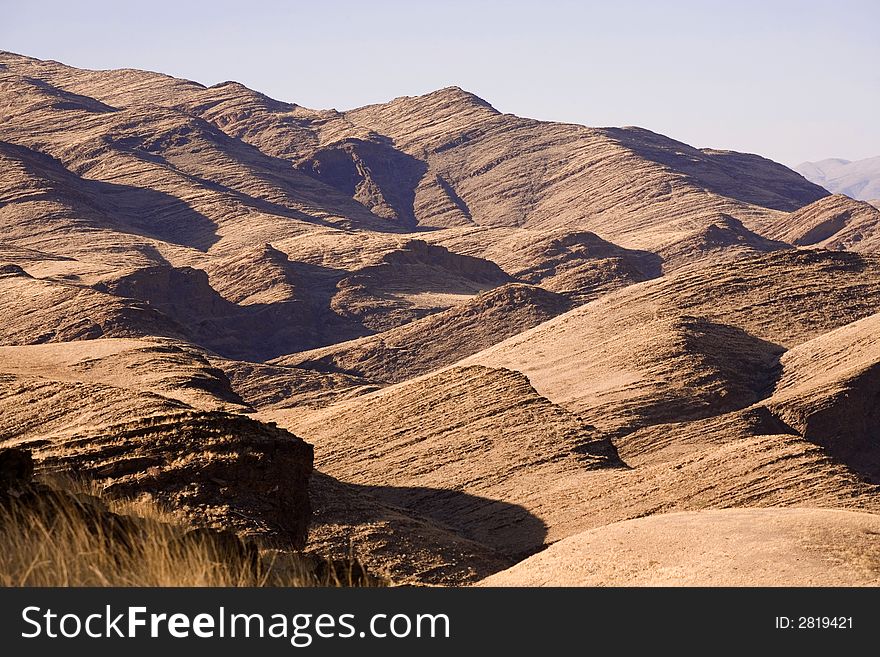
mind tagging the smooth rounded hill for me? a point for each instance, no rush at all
(689, 345)
(728, 547)
(828, 392)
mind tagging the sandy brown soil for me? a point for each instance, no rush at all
(734, 547)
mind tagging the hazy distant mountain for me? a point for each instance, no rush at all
(859, 180)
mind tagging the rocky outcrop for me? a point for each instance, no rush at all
(16, 467)
(126, 532)
(25, 502)
(218, 469)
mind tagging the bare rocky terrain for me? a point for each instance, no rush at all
(455, 344)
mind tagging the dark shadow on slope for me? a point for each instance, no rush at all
(584, 245)
(507, 528)
(140, 211)
(724, 235)
(442, 338)
(581, 265)
(284, 186)
(453, 196)
(263, 205)
(751, 366)
(728, 369)
(150, 213)
(374, 295)
(846, 423)
(327, 306)
(248, 332)
(374, 173)
(68, 100)
(286, 182)
(414, 542)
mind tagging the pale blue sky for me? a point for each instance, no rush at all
(791, 80)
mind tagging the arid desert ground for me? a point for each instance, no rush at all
(452, 345)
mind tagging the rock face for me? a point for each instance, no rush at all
(221, 470)
(89, 534)
(155, 418)
(16, 467)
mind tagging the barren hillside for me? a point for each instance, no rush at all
(495, 337)
(834, 222)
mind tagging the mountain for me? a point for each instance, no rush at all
(859, 180)
(691, 344)
(439, 339)
(663, 396)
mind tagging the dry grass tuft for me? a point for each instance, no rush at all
(68, 535)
